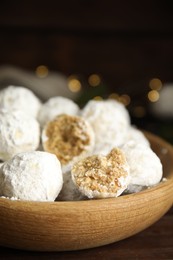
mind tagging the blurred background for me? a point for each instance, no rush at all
(93, 49)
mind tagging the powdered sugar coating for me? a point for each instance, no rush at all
(19, 132)
(56, 106)
(69, 190)
(34, 176)
(19, 98)
(136, 136)
(145, 165)
(100, 176)
(110, 121)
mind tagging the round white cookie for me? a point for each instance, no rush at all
(136, 136)
(34, 176)
(56, 106)
(19, 132)
(145, 166)
(19, 98)
(110, 121)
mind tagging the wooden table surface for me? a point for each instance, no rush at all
(156, 242)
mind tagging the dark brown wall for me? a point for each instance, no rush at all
(127, 42)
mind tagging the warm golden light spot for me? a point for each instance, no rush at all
(139, 111)
(125, 99)
(74, 84)
(114, 96)
(153, 95)
(42, 71)
(155, 84)
(98, 98)
(94, 80)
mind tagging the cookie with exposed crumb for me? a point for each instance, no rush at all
(70, 138)
(19, 132)
(100, 176)
(56, 106)
(34, 176)
(20, 98)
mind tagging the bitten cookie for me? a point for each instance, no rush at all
(69, 137)
(100, 176)
(34, 176)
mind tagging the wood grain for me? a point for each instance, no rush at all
(154, 242)
(59, 226)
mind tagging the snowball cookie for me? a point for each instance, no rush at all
(136, 136)
(101, 176)
(110, 121)
(20, 98)
(145, 166)
(56, 106)
(19, 132)
(69, 137)
(69, 190)
(35, 176)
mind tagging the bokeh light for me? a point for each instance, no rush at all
(97, 98)
(74, 84)
(155, 84)
(94, 80)
(125, 99)
(42, 71)
(114, 96)
(153, 95)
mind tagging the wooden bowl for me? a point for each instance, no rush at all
(59, 226)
